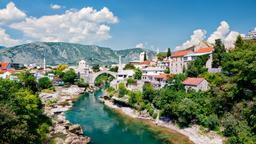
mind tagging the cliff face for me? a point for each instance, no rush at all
(69, 53)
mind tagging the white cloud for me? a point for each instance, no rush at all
(140, 45)
(11, 14)
(6, 40)
(220, 33)
(55, 6)
(197, 36)
(80, 26)
(230, 40)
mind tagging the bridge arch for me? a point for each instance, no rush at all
(95, 75)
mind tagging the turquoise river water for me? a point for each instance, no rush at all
(105, 126)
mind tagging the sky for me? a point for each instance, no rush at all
(121, 24)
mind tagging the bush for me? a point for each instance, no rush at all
(44, 83)
(82, 83)
(122, 91)
(114, 69)
(229, 124)
(129, 66)
(212, 122)
(69, 76)
(131, 81)
(137, 74)
(154, 115)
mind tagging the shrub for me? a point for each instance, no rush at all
(44, 83)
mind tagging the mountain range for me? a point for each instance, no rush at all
(68, 53)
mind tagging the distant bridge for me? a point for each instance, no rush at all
(93, 76)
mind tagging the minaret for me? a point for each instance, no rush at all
(120, 63)
(157, 51)
(44, 64)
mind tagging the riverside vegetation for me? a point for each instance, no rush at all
(22, 117)
(228, 107)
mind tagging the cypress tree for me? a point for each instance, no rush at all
(219, 50)
(145, 56)
(168, 52)
(239, 42)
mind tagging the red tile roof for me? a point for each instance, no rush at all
(181, 53)
(3, 65)
(163, 76)
(146, 62)
(193, 81)
(10, 71)
(204, 50)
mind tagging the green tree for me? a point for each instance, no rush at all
(122, 91)
(148, 92)
(82, 83)
(111, 91)
(137, 74)
(44, 83)
(186, 111)
(131, 81)
(167, 71)
(161, 56)
(197, 67)
(96, 68)
(69, 76)
(175, 83)
(20, 113)
(114, 69)
(239, 42)
(145, 56)
(135, 97)
(129, 66)
(219, 51)
(28, 80)
(62, 67)
(168, 52)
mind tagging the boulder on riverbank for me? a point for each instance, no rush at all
(76, 129)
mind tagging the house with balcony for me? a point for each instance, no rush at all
(153, 70)
(157, 80)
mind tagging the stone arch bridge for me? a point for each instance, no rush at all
(92, 77)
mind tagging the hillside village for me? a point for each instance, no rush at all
(137, 87)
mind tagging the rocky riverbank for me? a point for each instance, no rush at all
(193, 133)
(55, 104)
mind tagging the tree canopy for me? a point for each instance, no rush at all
(218, 53)
(69, 76)
(129, 66)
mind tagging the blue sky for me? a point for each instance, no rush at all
(155, 23)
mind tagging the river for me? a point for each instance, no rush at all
(105, 126)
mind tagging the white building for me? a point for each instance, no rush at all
(157, 80)
(124, 74)
(197, 84)
(177, 64)
(180, 59)
(153, 70)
